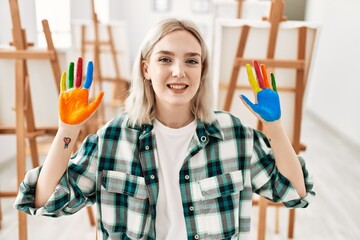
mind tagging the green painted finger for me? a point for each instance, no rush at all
(71, 75)
(273, 82)
(254, 84)
(63, 82)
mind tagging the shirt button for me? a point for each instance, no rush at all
(196, 236)
(152, 177)
(187, 177)
(191, 208)
(147, 147)
(203, 138)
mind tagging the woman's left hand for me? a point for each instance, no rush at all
(267, 103)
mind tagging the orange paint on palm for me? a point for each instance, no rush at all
(74, 107)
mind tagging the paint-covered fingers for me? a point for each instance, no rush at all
(67, 79)
(252, 80)
(63, 82)
(273, 82)
(79, 70)
(265, 76)
(262, 80)
(267, 105)
(74, 107)
(89, 75)
(259, 76)
(70, 83)
(95, 104)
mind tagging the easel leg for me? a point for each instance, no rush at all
(262, 218)
(20, 137)
(30, 120)
(91, 215)
(291, 223)
(22, 226)
(0, 215)
(34, 152)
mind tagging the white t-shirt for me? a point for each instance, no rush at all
(172, 145)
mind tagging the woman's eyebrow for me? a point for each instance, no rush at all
(166, 52)
(191, 54)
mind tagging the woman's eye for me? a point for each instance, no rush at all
(164, 59)
(192, 61)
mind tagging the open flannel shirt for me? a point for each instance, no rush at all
(117, 169)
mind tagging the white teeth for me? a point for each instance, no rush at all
(177, 86)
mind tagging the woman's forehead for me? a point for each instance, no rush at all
(180, 41)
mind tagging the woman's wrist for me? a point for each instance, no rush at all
(272, 129)
(69, 129)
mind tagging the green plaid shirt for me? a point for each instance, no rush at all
(117, 169)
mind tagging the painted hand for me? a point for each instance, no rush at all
(267, 106)
(74, 107)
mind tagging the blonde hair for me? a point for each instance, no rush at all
(140, 104)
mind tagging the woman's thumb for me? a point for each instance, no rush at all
(95, 104)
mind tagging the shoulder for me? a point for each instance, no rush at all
(230, 123)
(226, 119)
(117, 125)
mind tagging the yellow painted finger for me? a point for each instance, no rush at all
(254, 84)
(63, 82)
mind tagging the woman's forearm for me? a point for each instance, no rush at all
(285, 157)
(55, 163)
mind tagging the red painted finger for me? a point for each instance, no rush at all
(79, 70)
(259, 75)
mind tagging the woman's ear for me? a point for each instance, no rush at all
(145, 69)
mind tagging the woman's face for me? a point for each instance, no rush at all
(174, 69)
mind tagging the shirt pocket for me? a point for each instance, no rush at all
(124, 204)
(124, 183)
(221, 185)
(220, 204)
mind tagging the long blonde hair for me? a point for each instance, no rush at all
(140, 104)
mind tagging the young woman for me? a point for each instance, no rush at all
(169, 167)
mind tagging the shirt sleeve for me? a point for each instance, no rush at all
(75, 190)
(268, 182)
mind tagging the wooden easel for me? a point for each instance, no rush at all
(275, 18)
(239, 8)
(121, 85)
(24, 109)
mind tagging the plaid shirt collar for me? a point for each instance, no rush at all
(203, 130)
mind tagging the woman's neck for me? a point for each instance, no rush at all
(175, 118)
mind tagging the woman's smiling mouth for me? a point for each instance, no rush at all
(177, 86)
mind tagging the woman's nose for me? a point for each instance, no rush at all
(178, 70)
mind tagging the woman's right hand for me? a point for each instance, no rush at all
(74, 107)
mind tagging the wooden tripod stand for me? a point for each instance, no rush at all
(239, 8)
(25, 124)
(24, 109)
(300, 65)
(121, 85)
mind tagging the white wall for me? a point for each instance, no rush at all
(28, 21)
(140, 18)
(334, 90)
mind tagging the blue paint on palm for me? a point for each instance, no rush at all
(268, 106)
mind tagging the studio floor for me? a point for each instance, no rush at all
(333, 161)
